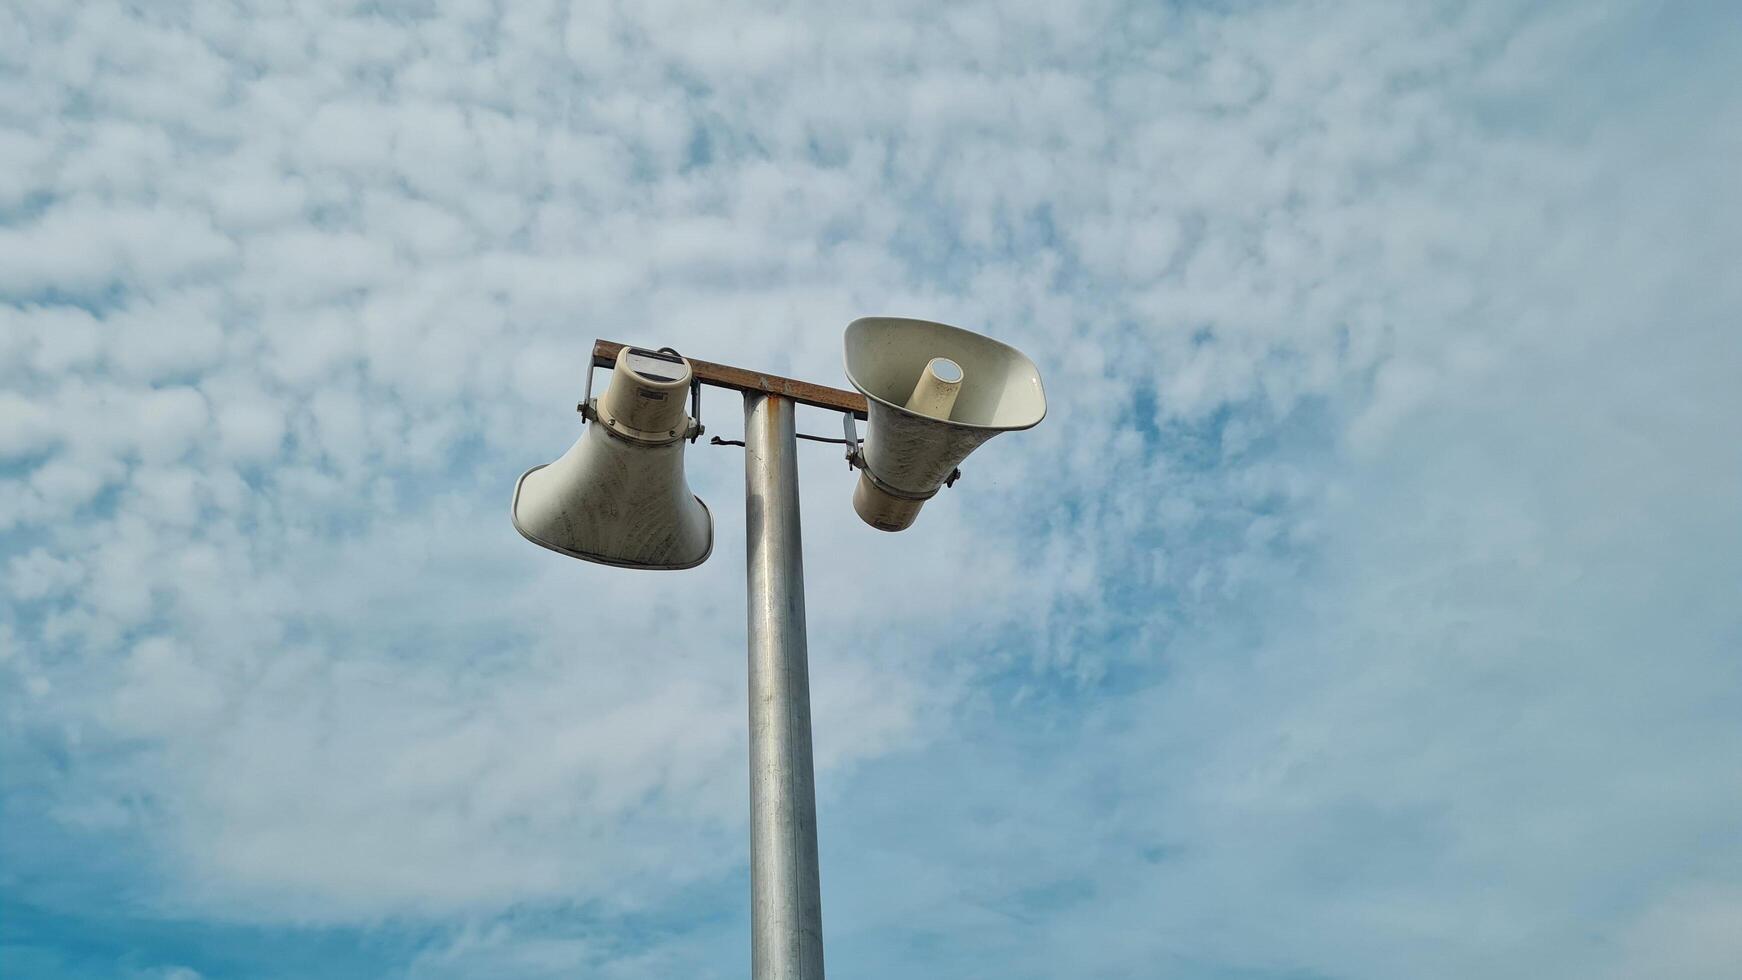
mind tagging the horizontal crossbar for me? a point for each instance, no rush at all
(739, 379)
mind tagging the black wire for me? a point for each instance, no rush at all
(717, 441)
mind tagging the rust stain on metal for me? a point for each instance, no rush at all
(739, 379)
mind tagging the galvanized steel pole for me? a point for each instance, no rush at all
(786, 913)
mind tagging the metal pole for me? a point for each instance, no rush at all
(786, 911)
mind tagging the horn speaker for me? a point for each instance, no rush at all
(619, 495)
(935, 393)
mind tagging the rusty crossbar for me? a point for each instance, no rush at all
(739, 379)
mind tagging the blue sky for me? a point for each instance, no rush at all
(1369, 604)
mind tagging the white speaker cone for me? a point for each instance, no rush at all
(935, 394)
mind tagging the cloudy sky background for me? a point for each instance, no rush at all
(1369, 604)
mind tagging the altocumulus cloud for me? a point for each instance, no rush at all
(1368, 606)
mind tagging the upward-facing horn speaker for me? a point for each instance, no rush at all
(619, 495)
(935, 393)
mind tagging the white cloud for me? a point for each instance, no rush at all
(38, 575)
(1389, 372)
(84, 246)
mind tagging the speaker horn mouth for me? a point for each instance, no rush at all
(1000, 387)
(604, 559)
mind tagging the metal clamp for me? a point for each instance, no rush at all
(617, 429)
(588, 412)
(696, 428)
(855, 455)
(856, 461)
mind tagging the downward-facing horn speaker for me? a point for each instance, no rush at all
(619, 495)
